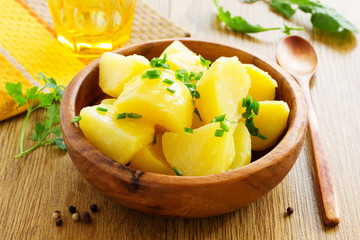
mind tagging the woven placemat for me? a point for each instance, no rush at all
(28, 45)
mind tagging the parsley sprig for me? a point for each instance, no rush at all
(239, 24)
(34, 99)
(252, 109)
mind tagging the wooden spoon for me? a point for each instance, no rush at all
(298, 57)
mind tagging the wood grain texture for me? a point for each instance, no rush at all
(32, 188)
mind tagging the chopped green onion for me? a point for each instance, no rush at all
(133, 115)
(252, 109)
(198, 76)
(171, 90)
(121, 116)
(168, 81)
(159, 62)
(196, 111)
(204, 62)
(179, 76)
(101, 109)
(152, 74)
(219, 133)
(177, 171)
(224, 126)
(188, 130)
(154, 140)
(75, 119)
(219, 118)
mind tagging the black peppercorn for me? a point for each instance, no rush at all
(289, 211)
(94, 208)
(58, 222)
(72, 209)
(85, 217)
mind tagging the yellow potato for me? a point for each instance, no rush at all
(151, 159)
(175, 47)
(271, 122)
(119, 139)
(222, 88)
(242, 142)
(116, 70)
(184, 60)
(151, 99)
(201, 152)
(262, 84)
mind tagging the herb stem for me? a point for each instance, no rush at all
(34, 147)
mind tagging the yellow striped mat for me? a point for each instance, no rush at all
(28, 46)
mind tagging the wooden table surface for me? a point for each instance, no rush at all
(31, 188)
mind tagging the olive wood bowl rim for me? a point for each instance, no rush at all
(292, 136)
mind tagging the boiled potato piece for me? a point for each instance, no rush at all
(119, 139)
(184, 60)
(116, 70)
(151, 159)
(242, 142)
(152, 99)
(201, 152)
(175, 47)
(271, 122)
(222, 88)
(262, 84)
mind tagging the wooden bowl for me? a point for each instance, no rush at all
(176, 196)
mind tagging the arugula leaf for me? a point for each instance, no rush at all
(45, 100)
(239, 24)
(283, 7)
(322, 17)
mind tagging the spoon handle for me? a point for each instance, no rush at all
(327, 194)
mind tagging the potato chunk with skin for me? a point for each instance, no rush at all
(222, 88)
(271, 122)
(151, 159)
(119, 139)
(262, 84)
(152, 99)
(201, 152)
(242, 142)
(116, 70)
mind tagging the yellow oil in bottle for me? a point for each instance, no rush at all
(91, 27)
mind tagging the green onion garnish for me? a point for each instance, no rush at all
(219, 118)
(177, 171)
(196, 111)
(152, 74)
(159, 62)
(188, 130)
(133, 115)
(154, 140)
(170, 89)
(224, 126)
(252, 109)
(100, 109)
(204, 62)
(168, 81)
(75, 119)
(121, 116)
(219, 133)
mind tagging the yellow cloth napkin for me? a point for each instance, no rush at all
(28, 46)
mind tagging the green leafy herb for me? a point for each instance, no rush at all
(204, 62)
(133, 115)
(252, 109)
(152, 74)
(196, 111)
(188, 130)
(76, 119)
(177, 171)
(101, 109)
(159, 62)
(219, 133)
(121, 116)
(45, 100)
(239, 24)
